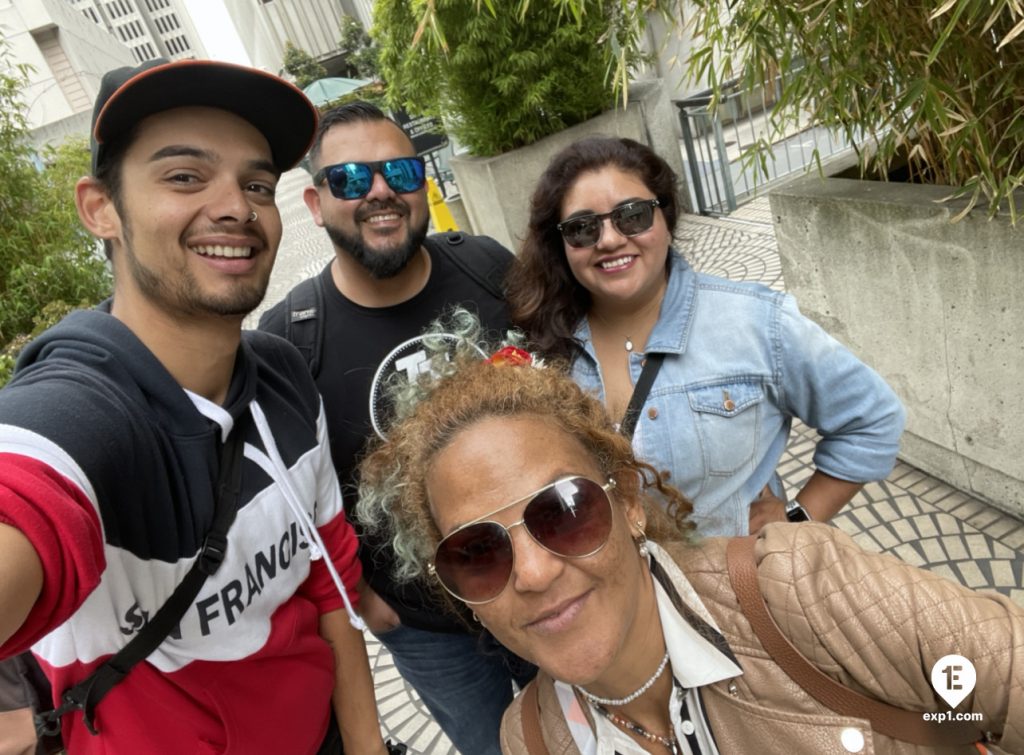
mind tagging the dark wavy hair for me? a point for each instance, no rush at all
(357, 111)
(545, 300)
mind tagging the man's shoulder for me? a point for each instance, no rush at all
(472, 244)
(280, 361)
(476, 250)
(88, 361)
(273, 319)
(303, 295)
(479, 259)
(267, 343)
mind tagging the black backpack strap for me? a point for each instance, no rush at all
(304, 320)
(88, 693)
(480, 257)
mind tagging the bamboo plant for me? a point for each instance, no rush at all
(937, 85)
(503, 75)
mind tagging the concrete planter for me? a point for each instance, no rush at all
(496, 190)
(935, 307)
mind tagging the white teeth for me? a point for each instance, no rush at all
(382, 218)
(620, 262)
(225, 251)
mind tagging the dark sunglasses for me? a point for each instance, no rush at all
(571, 517)
(353, 180)
(629, 219)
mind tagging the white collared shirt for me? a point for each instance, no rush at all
(695, 661)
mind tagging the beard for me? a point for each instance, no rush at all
(183, 295)
(381, 264)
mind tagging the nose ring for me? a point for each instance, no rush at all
(253, 216)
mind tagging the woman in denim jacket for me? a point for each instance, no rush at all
(597, 283)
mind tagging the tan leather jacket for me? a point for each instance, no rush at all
(872, 622)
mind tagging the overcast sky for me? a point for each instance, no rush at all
(216, 30)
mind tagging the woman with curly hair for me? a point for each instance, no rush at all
(599, 284)
(512, 488)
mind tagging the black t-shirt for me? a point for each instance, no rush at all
(356, 341)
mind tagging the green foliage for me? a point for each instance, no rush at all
(625, 28)
(47, 257)
(301, 66)
(358, 50)
(17, 174)
(499, 79)
(373, 93)
(939, 84)
(49, 264)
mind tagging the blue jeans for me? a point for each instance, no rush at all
(465, 682)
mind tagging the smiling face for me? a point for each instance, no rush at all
(185, 243)
(576, 618)
(619, 271)
(384, 230)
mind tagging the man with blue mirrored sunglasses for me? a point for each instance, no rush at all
(388, 280)
(403, 175)
(368, 194)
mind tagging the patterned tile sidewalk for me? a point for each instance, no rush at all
(916, 517)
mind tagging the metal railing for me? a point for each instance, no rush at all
(714, 142)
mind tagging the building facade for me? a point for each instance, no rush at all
(67, 55)
(314, 26)
(149, 28)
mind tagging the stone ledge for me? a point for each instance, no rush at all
(934, 306)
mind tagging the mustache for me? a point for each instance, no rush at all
(226, 229)
(377, 205)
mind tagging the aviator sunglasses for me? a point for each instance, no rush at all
(571, 517)
(630, 219)
(354, 180)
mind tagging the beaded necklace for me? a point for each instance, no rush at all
(670, 743)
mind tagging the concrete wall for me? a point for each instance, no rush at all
(934, 306)
(54, 133)
(496, 190)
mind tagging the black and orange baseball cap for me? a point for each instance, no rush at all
(279, 110)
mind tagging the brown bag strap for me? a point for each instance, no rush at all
(897, 723)
(531, 721)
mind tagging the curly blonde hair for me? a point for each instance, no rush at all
(393, 499)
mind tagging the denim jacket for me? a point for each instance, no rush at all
(741, 362)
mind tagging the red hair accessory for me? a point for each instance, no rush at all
(511, 356)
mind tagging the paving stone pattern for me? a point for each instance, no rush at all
(911, 515)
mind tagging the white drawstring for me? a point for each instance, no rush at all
(283, 478)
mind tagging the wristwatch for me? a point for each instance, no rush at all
(797, 513)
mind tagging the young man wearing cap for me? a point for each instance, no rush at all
(152, 447)
(387, 281)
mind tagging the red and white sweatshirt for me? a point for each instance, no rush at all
(108, 466)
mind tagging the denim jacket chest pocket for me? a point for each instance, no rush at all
(727, 417)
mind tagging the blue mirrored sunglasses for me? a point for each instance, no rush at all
(353, 180)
